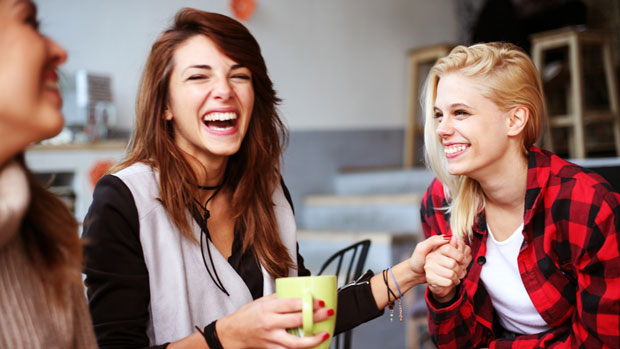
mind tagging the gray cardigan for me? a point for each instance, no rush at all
(182, 294)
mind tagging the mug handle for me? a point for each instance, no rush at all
(307, 313)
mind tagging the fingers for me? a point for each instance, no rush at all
(290, 305)
(292, 320)
(416, 262)
(283, 339)
(424, 247)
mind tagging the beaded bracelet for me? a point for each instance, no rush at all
(390, 293)
(400, 295)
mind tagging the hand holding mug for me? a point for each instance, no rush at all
(308, 288)
(263, 323)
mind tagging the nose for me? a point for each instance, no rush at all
(57, 54)
(444, 127)
(222, 89)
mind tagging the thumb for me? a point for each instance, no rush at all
(430, 244)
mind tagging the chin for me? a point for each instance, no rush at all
(52, 126)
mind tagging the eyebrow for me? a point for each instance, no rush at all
(208, 67)
(455, 106)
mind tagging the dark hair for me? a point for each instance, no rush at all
(252, 174)
(50, 237)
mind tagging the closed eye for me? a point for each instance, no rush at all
(242, 77)
(197, 77)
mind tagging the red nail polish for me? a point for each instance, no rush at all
(325, 336)
(447, 238)
(330, 312)
(321, 304)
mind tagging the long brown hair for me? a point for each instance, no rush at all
(252, 174)
(50, 236)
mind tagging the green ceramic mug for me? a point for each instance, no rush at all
(323, 288)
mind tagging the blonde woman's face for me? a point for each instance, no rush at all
(472, 130)
(30, 99)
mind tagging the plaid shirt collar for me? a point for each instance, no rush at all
(538, 174)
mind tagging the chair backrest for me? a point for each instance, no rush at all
(352, 258)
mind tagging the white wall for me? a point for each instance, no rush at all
(338, 64)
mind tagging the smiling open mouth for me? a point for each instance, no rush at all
(220, 121)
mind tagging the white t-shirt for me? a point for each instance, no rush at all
(502, 280)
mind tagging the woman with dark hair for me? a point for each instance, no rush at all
(41, 294)
(192, 229)
(543, 232)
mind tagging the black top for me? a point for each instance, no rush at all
(117, 277)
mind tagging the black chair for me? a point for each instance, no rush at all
(353, 258)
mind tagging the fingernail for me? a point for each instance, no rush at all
(325, 336)
(330, 312)
(446, 237)
(321, 303)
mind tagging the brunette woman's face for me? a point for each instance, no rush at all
(211, 100)
(30, 99)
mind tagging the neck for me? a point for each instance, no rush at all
(507, 185)
(210, 174)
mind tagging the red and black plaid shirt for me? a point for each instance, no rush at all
(569, 263)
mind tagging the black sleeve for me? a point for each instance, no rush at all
(116, 276)
(356, 304)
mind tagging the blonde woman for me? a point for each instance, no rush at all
(543, 232)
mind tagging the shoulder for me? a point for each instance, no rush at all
(435, 196)
(142, 181)
(434, 214)
(568, 180)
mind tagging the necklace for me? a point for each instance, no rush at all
(204, 230)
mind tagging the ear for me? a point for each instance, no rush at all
(167, 114)
(517, 119)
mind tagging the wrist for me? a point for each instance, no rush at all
(443, 300)
(211, 337)
(407, 276)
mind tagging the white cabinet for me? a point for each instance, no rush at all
(73, 164)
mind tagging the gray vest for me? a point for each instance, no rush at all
(182, 293)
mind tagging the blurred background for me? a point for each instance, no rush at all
(349, 73)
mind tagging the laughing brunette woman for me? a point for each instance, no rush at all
(191, 230)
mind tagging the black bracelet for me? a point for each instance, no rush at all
(210, 336)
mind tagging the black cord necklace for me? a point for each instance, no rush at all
(204, 230)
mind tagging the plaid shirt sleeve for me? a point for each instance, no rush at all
(570, 265)
(453, 325)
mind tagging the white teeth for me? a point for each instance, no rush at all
(454, 149)
(51, 85)
(220, 116)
